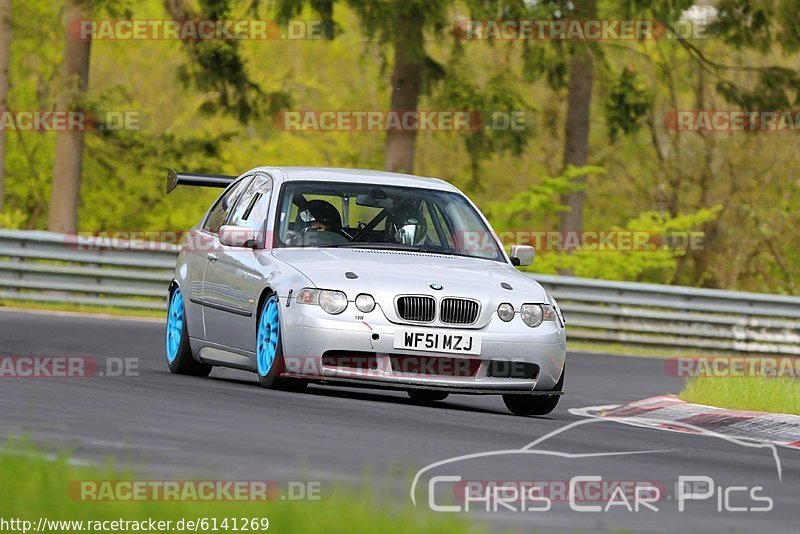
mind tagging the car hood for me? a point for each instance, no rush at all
(386, 274)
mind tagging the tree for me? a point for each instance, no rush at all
(460, 90)
(562, 64)
(65, 193)
(576, 128)
(749, 35)
(407, 78)
(401, 25)
(5, 53)
(740, 24)
(217, 68)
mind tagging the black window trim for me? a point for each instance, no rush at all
(262, 240)
(233, 185)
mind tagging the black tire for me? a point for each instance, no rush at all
(273, 378)
(534, 404)
(426, 395)
(184, 362)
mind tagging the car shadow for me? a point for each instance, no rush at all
(372, 395)
(376, 395)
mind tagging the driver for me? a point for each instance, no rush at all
(406, 226)
(319, 223)
(321, 216)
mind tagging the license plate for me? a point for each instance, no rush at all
(454, 343)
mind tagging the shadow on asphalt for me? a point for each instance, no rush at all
(376, 395)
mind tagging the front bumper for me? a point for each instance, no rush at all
(310, 332)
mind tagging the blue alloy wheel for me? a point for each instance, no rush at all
(174, 325)
(269, 332)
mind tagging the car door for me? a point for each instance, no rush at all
(202, 242)
(233, 276)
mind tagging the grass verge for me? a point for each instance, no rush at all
(35, 487)
(653, 351)
(761, 394)
(83, 308)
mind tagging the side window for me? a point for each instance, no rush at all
(219, 213)
(251, 210)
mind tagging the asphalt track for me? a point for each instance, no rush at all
(228, 427)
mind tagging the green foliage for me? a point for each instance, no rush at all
(776, 88)
(627, 104)
(389, 23)
(219, 69)
(758, 25)
(41, 489)
(548, 62)
(534, 205)
(657, 262)
(13, 219)
(286, 10)
(496, 102)
(393, 22)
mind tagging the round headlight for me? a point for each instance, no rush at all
(365, 303)
(333, 302)
(532, 314)
(505, 311)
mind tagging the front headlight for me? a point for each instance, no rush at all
(365, 303)
(505, 311)
(531, 314)
(333, 302)
(308, 296)
(534, 314)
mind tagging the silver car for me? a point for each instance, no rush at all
(361, 278)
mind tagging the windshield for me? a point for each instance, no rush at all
(342, 215)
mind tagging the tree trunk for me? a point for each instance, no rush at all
(5, 49)
(704, 273)
(406, 80)
(65, 195)
(579, 104)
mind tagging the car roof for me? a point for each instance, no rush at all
(362, 176)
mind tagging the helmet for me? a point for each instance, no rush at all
(407, 226)
(322, 212)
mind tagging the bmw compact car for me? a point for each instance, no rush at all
(361, 278)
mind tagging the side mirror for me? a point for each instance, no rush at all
(522, 255)
(238, 236)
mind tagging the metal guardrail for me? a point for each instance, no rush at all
(49, 267)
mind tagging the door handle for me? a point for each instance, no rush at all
(211, 256)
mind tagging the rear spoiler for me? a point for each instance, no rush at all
(174, 179)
